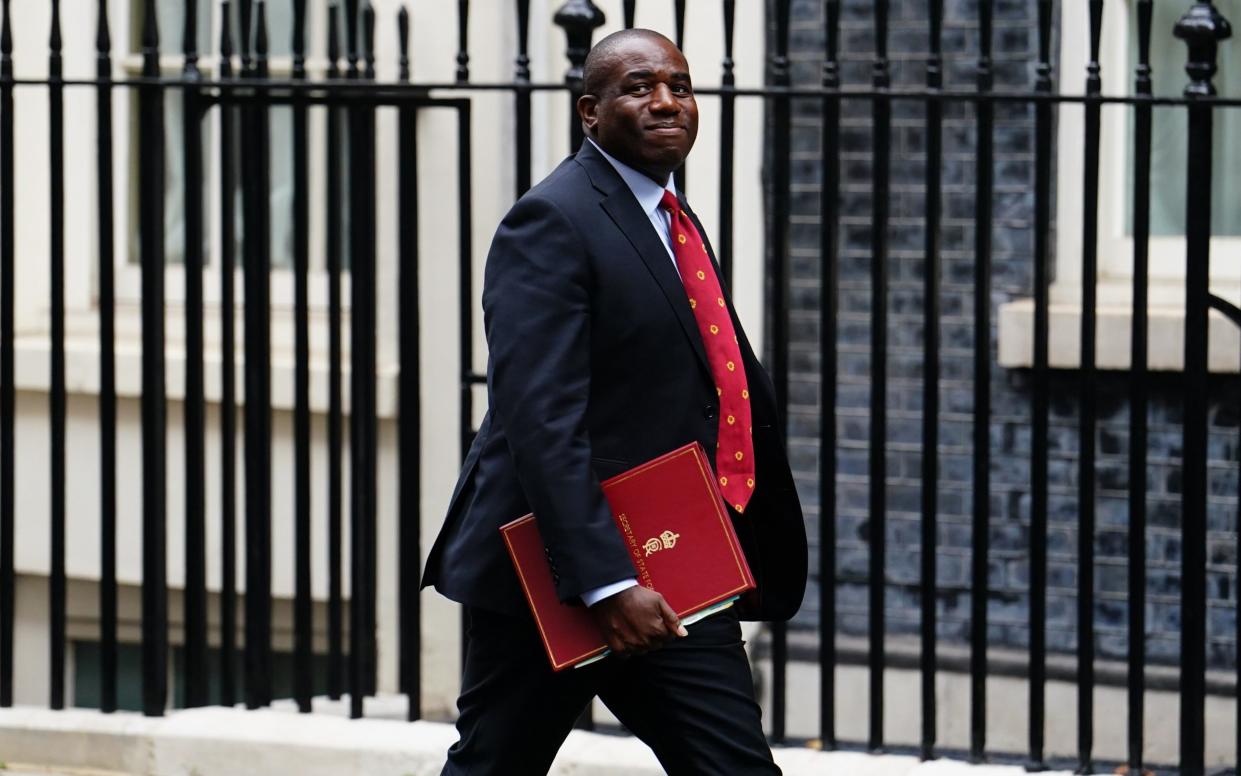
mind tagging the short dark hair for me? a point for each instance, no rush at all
(595, 69)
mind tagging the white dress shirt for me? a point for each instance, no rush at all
(649, 194)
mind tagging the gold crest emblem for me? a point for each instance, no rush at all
(665, 541)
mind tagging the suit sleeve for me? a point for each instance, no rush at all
(536, 310)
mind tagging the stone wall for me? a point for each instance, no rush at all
(1014, 51)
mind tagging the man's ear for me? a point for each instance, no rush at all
(588, 112)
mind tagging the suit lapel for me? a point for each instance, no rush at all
(621, 206)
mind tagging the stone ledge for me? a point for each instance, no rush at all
(1165, 339)
(233, 742)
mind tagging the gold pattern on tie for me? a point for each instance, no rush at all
(734, 450)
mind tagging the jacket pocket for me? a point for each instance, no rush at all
(609, 467)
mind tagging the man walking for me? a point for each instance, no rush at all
(612, 341)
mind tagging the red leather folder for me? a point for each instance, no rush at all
(670, 515)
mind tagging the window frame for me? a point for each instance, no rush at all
(127, 273)
(1115, 246)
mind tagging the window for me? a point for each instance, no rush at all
(1169, 141)
(171, 19)
(1118, 60)
(87, 678)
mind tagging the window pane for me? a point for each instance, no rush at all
(87, 680)
(171, 17)
(279, 27)
(1169, 141)
(281, 122)
(174, 181)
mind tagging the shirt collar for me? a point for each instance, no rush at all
(646, 191)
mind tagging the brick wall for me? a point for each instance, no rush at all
(1015, 47)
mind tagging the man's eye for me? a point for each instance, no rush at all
(681, 89)
(639, 88)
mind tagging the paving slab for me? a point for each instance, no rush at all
(219, 741)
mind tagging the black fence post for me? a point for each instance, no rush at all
(370, 321)
(877, 467)
(829, 307)
(256, 192)
(981, 474)
(579, 18)
(154, 443)
(333, 218)
(107, 370)
(228, 372)
(303, 607)
(778, 315)
(410, 409)
(1138, 390)
(8, 395)
(1202, 27)
(57, 392)
(194, 668)
(930, 377)
(728, 131)
(1088, 401)
(1040, 394)
(521, 93)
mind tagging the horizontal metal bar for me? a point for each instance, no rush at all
(402, 91)
(1230, 310)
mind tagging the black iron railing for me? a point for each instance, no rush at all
(350, 96)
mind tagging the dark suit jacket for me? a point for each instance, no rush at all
(596, 365)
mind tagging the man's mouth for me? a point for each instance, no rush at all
(665, 129)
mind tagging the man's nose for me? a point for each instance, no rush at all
(663, 101)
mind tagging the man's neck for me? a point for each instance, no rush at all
(660, 179)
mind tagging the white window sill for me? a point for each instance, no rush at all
(32, 362)
(1166, 336)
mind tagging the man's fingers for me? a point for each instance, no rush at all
(671, 620)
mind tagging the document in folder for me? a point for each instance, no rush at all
(669, 513)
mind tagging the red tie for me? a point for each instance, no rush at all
(734, 455)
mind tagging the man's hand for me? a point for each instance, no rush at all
(636, 620)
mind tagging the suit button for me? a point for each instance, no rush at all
(710, 411)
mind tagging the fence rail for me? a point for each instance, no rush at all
(350, 97)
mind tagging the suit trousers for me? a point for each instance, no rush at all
(691, 701)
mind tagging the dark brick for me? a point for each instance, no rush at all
(1009, 440)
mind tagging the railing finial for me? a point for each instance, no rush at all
(368, 40)
(579, 18)
(463, 41)
(402, 26)
(333, 36)
(226, 38)
(6, 34)
(260, 36)
(244, 11)
(522, 72)
(1043, 69)
(150, 39)
(1202, 28)
(299, 38)
(55, 43)
(189, 37)
(679, 17)
(779, 61)
(103, 34)
(351, 34)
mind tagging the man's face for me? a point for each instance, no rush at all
(645, 114)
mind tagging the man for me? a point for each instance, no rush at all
(612, 342)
